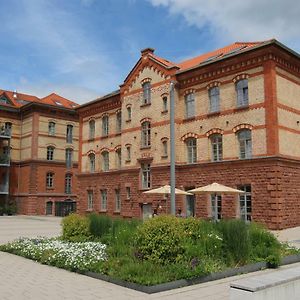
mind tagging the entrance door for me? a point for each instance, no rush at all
(147, 211)
(64, 208)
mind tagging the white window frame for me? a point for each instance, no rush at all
(165, 148)
(128, 152)
(145, 176)
(117, 200)
(216, 207)
(105, 161)
(189, 105)
(119, 158)
(242, 92)
(69, 158)
(105, 125)
(119, 122)
(245, 143)
(214, 99)
(51, 128)
(92, 162)
(191, 145)
(128, 192)
(49, 180)
(92, 125)
(245, 210)
(69, 135)
(146, 134)
(90, 202)
(103, 199)
(129, 113)
(216, 141)
(50, 153)
(146, 86)
(68, 184)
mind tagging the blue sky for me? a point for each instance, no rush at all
(82, 49)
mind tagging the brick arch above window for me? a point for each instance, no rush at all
(128, 105)
(164, 95)
(214, 131)
(240, 77)
(164, 139)
(90, 152)
(118, 111)
(128, 145)
(146, 80)
(213, 84)
(242, 126)
(118, 147)
(52, 145)
(105, 115)
(50, 172)
(69, 147)
(189, 91)
(145, 120)
(104, 149)
(189, 135)
(91, 119)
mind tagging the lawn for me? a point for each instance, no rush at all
(159, 250)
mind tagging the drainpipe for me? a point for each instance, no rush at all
(172, 146)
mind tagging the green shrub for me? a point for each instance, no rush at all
(99, 225)
(236, 241)
(75, 228)
(159, 240)
(263, 243)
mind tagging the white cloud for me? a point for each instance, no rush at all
(56, 35)
(241, 20)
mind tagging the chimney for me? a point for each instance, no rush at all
(147, 51)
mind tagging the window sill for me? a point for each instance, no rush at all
(189, 119)
(103, 211)
(145, 104)
(213, 114)
(91, 139)
(164, 112)
(117, 212)
(145, 189)
(104, 136)
(118, 133)
(49, 188)
(89, 210)
(145, 147)
(243, 107)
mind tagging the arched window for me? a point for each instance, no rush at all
(105, 125)
(105, 161)
(191, 145)
(50, 153)
(49, 180)
(216, 147)
(69, 135)
(165, 103)
(146, 134)
(189, 105)
(92, 162)
(128, 153)
(118, 122)
(146, 176)
(242, 92)
(69, 154)
(164, 148)
(129, 112)
(245, 143)
(146, 93)
(118, 158)
(68, 183)
(51, 128)
(92, 129)
(214, 99)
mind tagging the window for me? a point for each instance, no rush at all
(8, 128)
(242, 92)
(216, 147)
(146, 176)
(128, 113)
(3, 100)
(51, 128)
(105, 125)
(92, 162)
(165, 103)
(90, 203)
(128, 153)
(245, 143)
(146, 134)
(216, 207)
(191, 145)
(50, 153)
(103, 200)
(118, 158)
(68, 184)
(245, 203)
(118, 122)
(69, 137)
(118, 200)
(105, 161)
(146, 93)
(92, 129)
(128, 193)
(190, 204)
(214, 99)
(165, 148)
(69, 154)
(190, 105)
(49, 180)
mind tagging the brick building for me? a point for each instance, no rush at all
(237, 123)
(38, 153)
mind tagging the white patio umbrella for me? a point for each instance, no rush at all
(215, 188)
(166, 189)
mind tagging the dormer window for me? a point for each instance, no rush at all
(3, 100)
(58, 103)
(146, 93)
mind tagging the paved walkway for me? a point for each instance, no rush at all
(21, 278)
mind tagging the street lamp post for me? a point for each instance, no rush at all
(172, 146)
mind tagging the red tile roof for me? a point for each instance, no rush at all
(18, 99)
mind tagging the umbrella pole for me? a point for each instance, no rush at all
(172, 147)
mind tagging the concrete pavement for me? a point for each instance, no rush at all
(21, 278)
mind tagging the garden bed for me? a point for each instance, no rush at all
(159, 254)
